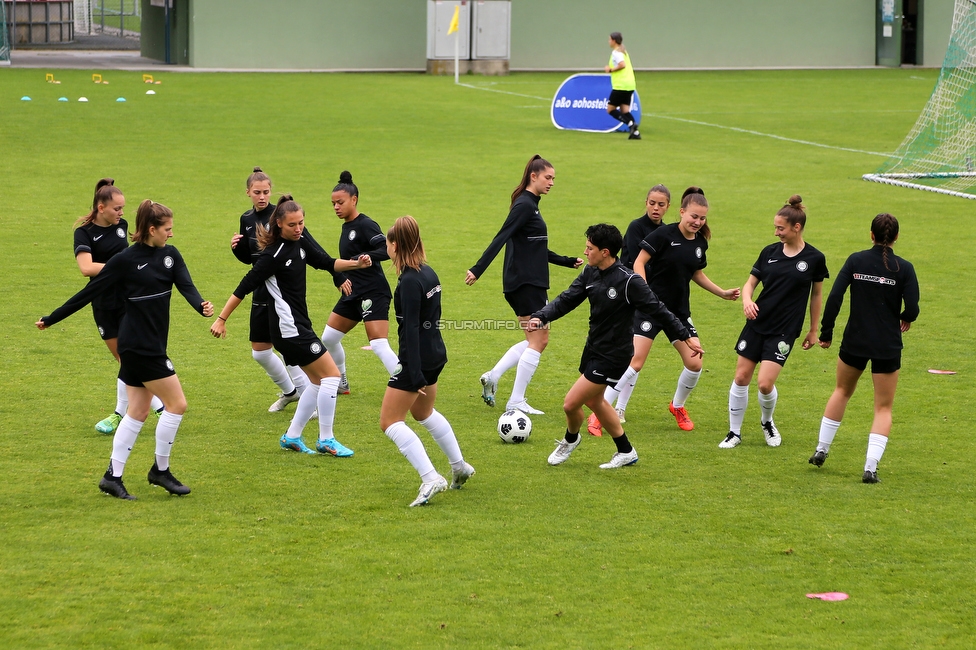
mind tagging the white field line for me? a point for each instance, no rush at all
(709, 124)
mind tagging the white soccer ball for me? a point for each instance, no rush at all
(514, 427)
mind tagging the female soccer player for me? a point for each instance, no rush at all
(790, 271)
(285, 250)
(623, 83)
(291, 379)
(98, 237)
(413, 386)
(614, 292)
(656, 203)
(880, 282)
(369, 300)
(143, 275)
(676, 254)
(525, 279)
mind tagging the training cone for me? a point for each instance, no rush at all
(82, 99)
(62, 99)
(150, 92)
(120, 99)
(25, 98)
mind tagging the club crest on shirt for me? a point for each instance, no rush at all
(168, 262)
(741, 346)
(783, 347)
(802, 266)
(315, 347)
(169, 365)
(645, 326)
(352, 235)
(120, 232)
(698, 252)
(301, 251)
(611, 293)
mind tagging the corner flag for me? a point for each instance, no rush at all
(454, 21)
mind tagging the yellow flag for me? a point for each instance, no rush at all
(454, 21)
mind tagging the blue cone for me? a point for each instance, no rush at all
(62, 99)
(25, 98)
(120, 99)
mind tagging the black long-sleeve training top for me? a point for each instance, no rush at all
(417, 304)
(874, 325)
(614, 294)
(144, 276)
(638, 230)
(526, 240)
(281, 269)
(103, 243)
(361, 236)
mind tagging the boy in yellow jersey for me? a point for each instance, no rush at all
(623, 83)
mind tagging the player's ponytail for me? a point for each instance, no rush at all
(536, 165)
(105, 191)
(696, 195)
(405, 234)
(257, 176)
(885, 231)
(149, 215)
(346, 185)
(794, 212)
(271, 234)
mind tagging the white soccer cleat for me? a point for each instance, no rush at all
(731, 440)
(563, 450)
(773, 439)
(621, 460)
(427, 490)
(488, 388)
(524, 407)
(460, 476)
(283, 401)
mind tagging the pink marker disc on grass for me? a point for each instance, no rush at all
(830, 596)
(941, 372)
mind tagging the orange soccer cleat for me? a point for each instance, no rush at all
(593, 426)
(681, 417)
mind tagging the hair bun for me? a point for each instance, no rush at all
(345, 177)
(796, 201)
(257, 170)
(284, 198)
(693, 190)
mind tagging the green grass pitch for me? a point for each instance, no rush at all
(694, 546)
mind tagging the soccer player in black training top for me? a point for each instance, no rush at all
(525, 279)
(615, 293)
(143, 275)
(675, 256)
(291, 380)
(422, 356)
(369, 301)
(98, 237)
(790, 272)
(285, 251)
(656, 204)
(881, 283)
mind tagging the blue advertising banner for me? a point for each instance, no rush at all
(580, 104)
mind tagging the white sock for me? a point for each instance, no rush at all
(767, 404)
(687, 381)
(125, 438)
(121, 397)
(332, 340)
(307, 403)
(828, 429)
(442, 433)
(382, 349)
(412, 449)
(611, 394)
(156, 404)
(738, 401)
(876, 449)
(327, 404)
(275, 368)
(625, 388)
(527, 365)
(509, 360)
(298, 378)
(166, 428)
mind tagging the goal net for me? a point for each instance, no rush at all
(4, 36)
(939, 153)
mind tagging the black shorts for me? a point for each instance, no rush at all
(400, 380)
(363, 309)
(260, 323)
(300, 350)
(136, 369)
(649, 328)
(526, 300)
(620, 97)
(107, 321)
(764, 347)
(601, 371)
(878, 366)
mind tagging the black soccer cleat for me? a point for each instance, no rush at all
(818, 458)
(634, 132)
(165, 479)
(870, 477)
(113, 486)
